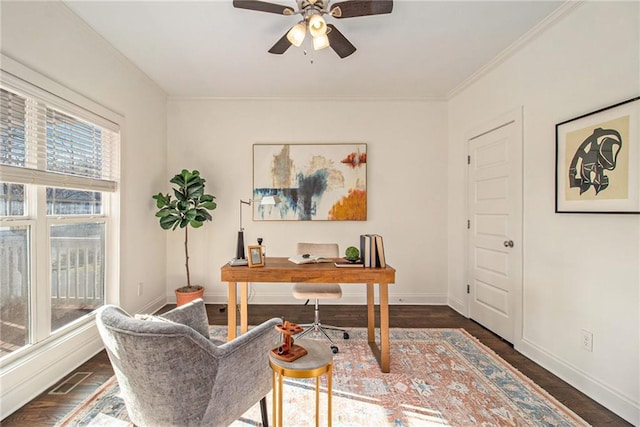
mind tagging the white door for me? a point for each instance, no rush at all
(495, 227)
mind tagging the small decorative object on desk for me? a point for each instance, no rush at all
(264, 249)
(288, 351)
(235, 262)
(256, 259)
(349, 264)
(308, 259)
(352, 254)
(351, 258)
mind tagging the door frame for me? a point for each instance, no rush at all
(515, 116)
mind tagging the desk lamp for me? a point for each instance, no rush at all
(265, 201)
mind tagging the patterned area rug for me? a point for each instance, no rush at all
(438, 377)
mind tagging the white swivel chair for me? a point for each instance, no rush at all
(318, 291)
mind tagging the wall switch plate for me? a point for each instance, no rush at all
(140, 289)
(586, 340)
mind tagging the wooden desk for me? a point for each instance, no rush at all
(281, 270)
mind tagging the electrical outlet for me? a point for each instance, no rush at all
(140, 285)
(586, 340)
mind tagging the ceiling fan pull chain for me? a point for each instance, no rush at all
(306, 53)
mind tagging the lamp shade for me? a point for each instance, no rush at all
(320, 42)
(317, 26)
(270, 200)
(296, 34)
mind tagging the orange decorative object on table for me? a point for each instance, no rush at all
(288, 351)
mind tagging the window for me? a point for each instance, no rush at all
(58, 179)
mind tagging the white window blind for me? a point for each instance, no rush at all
(48, 141)
(13, 123)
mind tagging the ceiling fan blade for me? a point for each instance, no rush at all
(262, 6)
(353, 8)
(339, 42)
(281, 45)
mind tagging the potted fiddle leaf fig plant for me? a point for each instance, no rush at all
(189, 208)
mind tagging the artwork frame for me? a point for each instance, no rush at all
(313, 181)
(598, 161)
(255, 258)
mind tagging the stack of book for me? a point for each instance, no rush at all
(372, 250)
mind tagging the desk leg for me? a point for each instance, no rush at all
(231, 310)
(244, 322)
(371, 314)
(384, 326)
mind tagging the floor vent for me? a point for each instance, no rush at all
(70, 383)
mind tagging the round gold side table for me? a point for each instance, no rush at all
(317, 361)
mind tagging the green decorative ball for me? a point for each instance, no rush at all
(352, 253)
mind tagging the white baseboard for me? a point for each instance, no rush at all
(459, 306)
(358, 298)
(615, 401)
(27, 377)
(155, 305)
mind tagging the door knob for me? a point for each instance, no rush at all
(508, 243)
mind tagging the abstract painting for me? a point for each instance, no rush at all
(325, 182)
(598, 161)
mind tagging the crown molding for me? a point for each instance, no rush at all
(516, 46)
(309, 99)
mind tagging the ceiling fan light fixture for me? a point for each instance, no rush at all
(296, 34)
(317, 26)
(320, 42)
(312, 21)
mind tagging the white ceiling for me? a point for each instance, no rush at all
(423, 49)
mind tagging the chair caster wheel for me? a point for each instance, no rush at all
(345, 335)
(334, 349)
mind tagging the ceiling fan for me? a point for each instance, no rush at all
(312, 12)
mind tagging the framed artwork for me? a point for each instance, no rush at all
(598, 161)
(311, 181)
(255, 258)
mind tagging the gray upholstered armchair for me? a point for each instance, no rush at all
(171, 374)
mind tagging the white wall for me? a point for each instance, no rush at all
(49, 39)
(581, 271)
(406, 166)
(588, 60)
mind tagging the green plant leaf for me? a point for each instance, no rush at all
(203, 215)
(181, 179)
(178, 181)
(162, 200)
(180, 196)
(168, 222)
(195, 188)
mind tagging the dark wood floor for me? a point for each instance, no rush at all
(46, 409)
